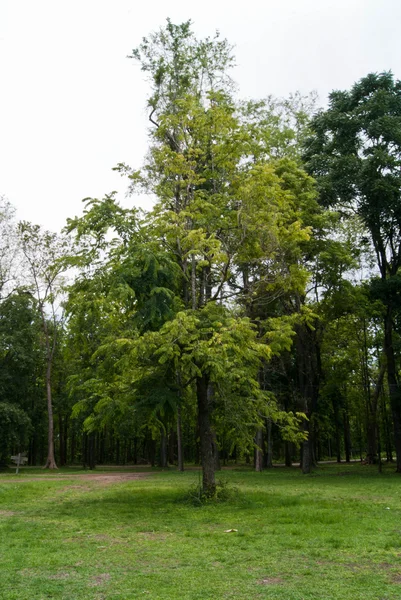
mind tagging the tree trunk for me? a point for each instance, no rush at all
(206, 437)
(393, 385)
(337, 425)
(269, 455)
(259, 450)
(179, 440)
(91, 451)
(306, 463)
(118, 451)
(347, 436)
(309, 375)
(163, 448)
(84, 450)
(193, 282)
(72, 447)
(51, 461)
(171, 446)
(50, 349)
(288, 458)
(386, 427)
(152, 452)
(61, 440)
(216, 452)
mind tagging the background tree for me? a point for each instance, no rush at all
(355, 155)
(43, 251)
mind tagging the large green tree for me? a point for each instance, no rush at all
(355, 155)
(226, 217)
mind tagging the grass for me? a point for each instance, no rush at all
(333, 535)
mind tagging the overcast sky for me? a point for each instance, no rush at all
(72, 105)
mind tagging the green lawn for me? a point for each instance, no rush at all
(333, 535)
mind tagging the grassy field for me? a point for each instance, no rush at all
(335, 534)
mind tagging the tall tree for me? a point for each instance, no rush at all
(220, 204)
(10, 267)
(43, 251)
(355, 155)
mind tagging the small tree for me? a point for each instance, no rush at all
(43, 251)
(15, 427)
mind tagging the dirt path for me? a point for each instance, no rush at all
(101, 478)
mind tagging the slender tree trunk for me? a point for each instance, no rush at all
(309, 375)
(269, 455)
(50, 349)
(152, 452)
(61, 440)
(387, 428)
(347, 436)
(91, 451)
(393, 386)
(171, 446)
(193, 283)
(337, 426)
(163, 448)
(72, 446)
(118, 451)
(306, 463)
(179, 440)
(84, 450)
(51, 461)
(288, 458)
(206, 437)
(135, 452)
(216, 451)
(259, 450)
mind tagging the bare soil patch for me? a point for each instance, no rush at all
(100, 478)
(270, 581)
(62, 575)
(100, 579)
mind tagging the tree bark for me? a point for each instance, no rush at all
(206, 437)
(347, 436)
(269, 455)
(91, 451)
(309, 375)
(163, 448)
(306, 463)
(62, 455)
(259, 450)
(50, 461)
(393, 385)
(50, 349)
(180, 457)
(288, 458)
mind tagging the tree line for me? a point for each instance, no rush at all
(251, 315)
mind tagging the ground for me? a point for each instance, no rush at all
(131, 533)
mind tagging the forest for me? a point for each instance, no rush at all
(252, 315)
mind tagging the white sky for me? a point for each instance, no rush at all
(72, 105)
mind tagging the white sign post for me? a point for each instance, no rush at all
(19, 459)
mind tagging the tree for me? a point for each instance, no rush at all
(22, 362)
(9, 250)
(355, 155)
(43, 251)
(15, 427)
(220, 204)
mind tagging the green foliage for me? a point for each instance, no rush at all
(15, 427)
(355, 154)
(224, 492)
